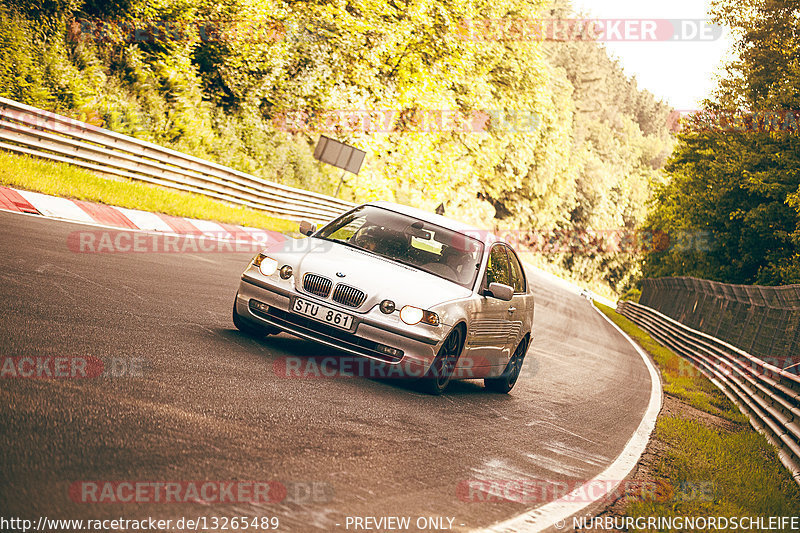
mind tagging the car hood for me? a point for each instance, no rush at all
(379, 278)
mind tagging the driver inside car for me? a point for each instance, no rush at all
(367, 238)
(457, 261)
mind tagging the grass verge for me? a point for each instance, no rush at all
(715, 464)
(68, 181)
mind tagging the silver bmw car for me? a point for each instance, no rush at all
(423, 295)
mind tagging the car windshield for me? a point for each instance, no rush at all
(439, 251)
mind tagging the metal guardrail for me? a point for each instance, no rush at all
(768, 395)
(35, 132)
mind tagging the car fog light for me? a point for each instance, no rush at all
(388, 350)
(259, 306)
(286, 272)
(387, 307)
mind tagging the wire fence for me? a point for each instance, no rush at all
(763, 321)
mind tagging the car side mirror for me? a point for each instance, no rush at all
(307, 228)
(500, 291)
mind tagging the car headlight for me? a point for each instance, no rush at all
(266, 265)
(414, 315)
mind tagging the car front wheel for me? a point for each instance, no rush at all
(508, 379)
(441, 370)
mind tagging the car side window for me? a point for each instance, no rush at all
(517, 273)
(497, 270)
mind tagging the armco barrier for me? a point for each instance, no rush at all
(768, 395)
(28, 130)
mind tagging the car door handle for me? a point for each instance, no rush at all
(512, 309)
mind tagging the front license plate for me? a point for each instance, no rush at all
(323, 314)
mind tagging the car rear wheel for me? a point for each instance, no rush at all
(441, 370)
(508, 379)
(248, 327)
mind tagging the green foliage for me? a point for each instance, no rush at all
(21, 74)
(736, 194)
(567, 142)
(632, 295)
(620, 140)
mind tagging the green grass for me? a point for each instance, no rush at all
(711, 472)
(60, 179)
(706, 470)
(679, 377)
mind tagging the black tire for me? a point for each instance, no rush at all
(508, 378)
(248, 327)
(438, 376)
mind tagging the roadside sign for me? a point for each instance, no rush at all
(339, 154)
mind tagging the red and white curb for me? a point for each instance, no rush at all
(107, 216)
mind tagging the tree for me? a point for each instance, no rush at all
(735, 174)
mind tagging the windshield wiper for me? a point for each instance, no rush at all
(406, 263)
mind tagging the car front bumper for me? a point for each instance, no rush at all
(261, 302)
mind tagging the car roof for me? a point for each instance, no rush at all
(485, 236)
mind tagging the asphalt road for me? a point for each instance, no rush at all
(205, 402)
